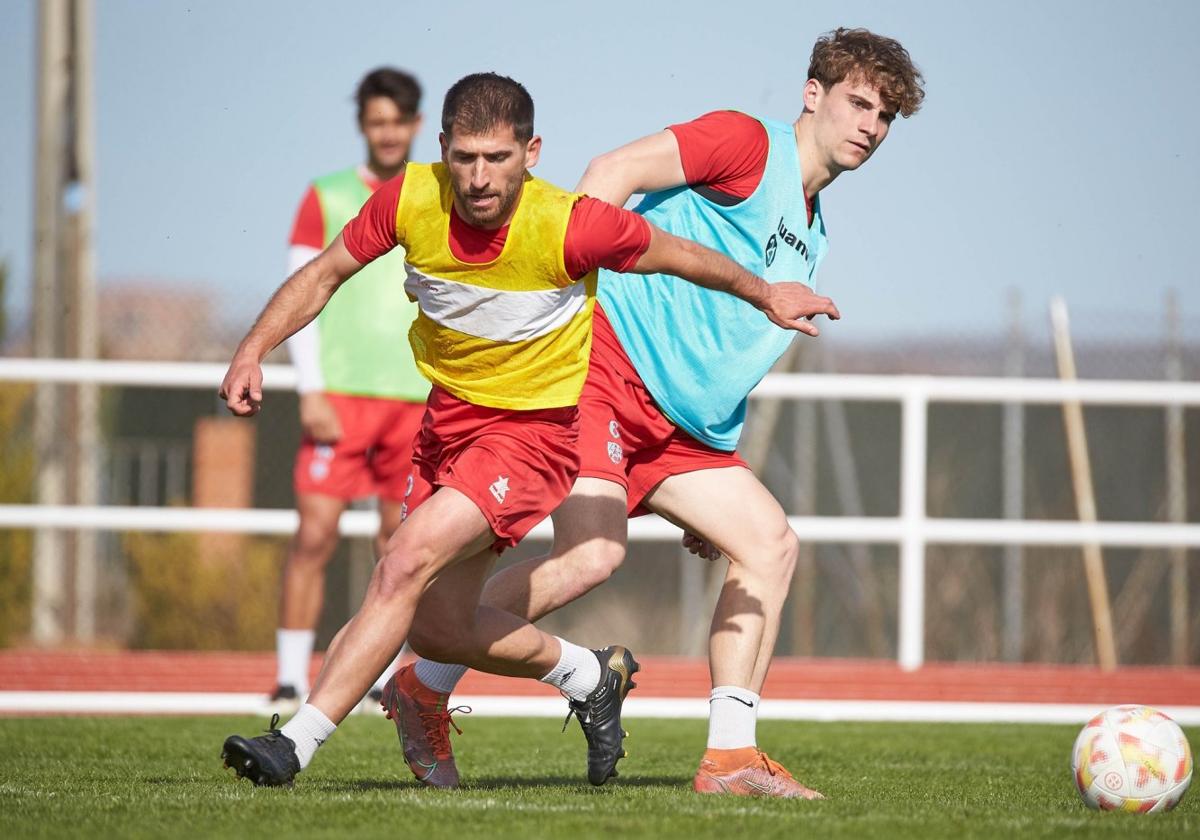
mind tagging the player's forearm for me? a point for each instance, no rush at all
(293, 305)
(669, 254)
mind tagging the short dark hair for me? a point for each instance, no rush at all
(398, 86)
(481, 102)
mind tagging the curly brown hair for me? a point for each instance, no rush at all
(862, 56)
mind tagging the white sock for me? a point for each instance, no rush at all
(309, 729)
(293, 649)
(577, 673)
(732, 717)
(438, 676)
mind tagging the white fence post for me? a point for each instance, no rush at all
(913, 423)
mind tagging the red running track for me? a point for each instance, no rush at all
(790, 678)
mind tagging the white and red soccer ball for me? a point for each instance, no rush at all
(1131, 758)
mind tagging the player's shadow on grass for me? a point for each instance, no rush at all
(490, 783)
(497, 782)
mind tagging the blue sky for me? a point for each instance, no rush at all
(1056, 151)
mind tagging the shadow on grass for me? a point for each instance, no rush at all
(490, 783)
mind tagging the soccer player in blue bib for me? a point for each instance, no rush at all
(671, 368)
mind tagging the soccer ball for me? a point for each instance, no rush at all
(1131, 758)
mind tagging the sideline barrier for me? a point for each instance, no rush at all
(912, 530)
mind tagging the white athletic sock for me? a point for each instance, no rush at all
(293, 649)
(577, 673)
(439, 677)
(309, 729)
(732, 717)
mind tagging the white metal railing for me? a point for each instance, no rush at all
(912, 530)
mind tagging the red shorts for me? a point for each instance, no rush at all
(516, 466)
(373, 455)
(623, 436)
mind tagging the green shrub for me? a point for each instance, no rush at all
(16, 487)
(184, 597)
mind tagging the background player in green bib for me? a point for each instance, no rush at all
(361, 397)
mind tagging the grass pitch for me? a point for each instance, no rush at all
(154, 777)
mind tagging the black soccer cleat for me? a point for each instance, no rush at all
(284, 692)
(375, 696)
(266, 760)
(599, 714)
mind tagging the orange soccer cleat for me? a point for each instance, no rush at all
(423, 723)
(747, 772)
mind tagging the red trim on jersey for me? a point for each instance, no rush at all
(726, 151)
(598, 234)
(309, 228)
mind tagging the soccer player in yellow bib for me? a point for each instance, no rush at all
(503, 267)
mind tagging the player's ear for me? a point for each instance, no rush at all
(445, 144)
(533, 151)
(812, 94)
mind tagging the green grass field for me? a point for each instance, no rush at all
(126, 777)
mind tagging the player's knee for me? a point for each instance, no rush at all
(789, 553)
(314, 542)
(403, 570)
(774, 555)
(599, 563)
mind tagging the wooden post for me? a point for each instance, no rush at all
(1085, 500)
(804, 503)
(1013, 634)
(1176, 491)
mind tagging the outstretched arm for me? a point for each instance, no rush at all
(787, 305)
(647, 165)
(293, 305)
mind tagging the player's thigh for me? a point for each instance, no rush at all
(595, 511)
(727, 506)
(447, 529)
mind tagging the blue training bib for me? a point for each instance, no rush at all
(701, 352)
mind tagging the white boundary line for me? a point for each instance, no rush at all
(197, 703)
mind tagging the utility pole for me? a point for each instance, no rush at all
(64, 301)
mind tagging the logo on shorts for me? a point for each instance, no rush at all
(408, 486)
(615, 452)
(404, 511)
(499, 488)
(614, 431)
(318, 467)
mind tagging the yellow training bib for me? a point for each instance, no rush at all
(511, 333)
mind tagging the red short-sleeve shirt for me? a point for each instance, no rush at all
(725, 151)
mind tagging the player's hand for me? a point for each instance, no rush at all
(318, 419)
(242, 387)
(794, 305)
(700, 547)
